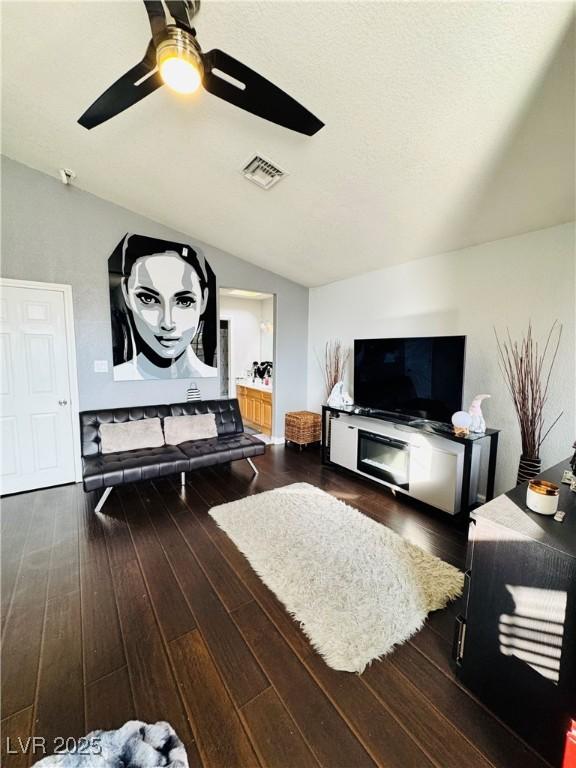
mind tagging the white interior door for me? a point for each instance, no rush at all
(36, 431)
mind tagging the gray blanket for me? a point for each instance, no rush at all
(135, 745)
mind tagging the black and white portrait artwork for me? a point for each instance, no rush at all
(163, 310)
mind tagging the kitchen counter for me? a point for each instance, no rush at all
(254, 385)
(255, 401)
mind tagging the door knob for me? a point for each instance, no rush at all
(62, 402)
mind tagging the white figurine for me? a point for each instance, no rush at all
(478, 424)
(339, 397)
(461, 421)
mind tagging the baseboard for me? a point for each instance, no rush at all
(270, 439)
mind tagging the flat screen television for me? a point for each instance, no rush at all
(421, 377)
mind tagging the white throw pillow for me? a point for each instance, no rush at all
(181, 429)
(131, 435)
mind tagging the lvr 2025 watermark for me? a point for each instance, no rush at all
(39, 745)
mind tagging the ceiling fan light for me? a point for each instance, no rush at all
(179, 63)
(180, 75)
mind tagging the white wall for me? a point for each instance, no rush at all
(267, 334)
(503, 284)
(53, 233)
(245, 316)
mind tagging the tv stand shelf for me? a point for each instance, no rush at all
(415, 446)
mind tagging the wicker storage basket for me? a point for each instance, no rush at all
(303, 427)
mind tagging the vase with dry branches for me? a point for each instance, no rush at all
(334, 364)
(527, 369)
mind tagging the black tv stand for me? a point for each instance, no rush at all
(378, 412)
(419, 422)
(394, 425)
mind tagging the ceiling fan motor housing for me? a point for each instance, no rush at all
(181, 44)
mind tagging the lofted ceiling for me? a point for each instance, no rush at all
(447, 124)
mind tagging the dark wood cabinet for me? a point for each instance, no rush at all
(515, 644)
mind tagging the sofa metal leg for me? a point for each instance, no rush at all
(107, 492)
(182, 478)
(254, 469)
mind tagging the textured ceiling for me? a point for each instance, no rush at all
(447, 124)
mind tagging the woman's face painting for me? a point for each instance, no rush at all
(163, 291)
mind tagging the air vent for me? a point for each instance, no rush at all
(263, 172)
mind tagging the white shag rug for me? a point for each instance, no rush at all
(356, 587)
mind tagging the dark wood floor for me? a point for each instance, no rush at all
(150, 612)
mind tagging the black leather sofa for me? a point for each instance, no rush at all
(107, 470)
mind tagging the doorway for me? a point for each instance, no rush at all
(39, 431)
(247, 341)
(224, 368)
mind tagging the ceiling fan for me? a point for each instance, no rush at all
(174, 57)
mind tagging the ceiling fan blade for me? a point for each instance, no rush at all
(157, 17)
(255, 94)
(126, 91)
